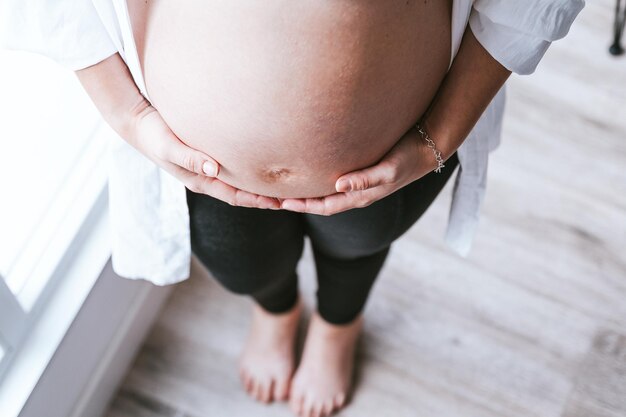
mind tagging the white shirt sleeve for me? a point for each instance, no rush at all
(69, 32)
(518, 33)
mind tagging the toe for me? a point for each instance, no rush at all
(261, 390)
(317, 409)
(328, 408)
(281, 389)
(256, 389)
(295, 403)
(340, 399)
(307, 407)
(251, 385)
(247, 381)
(267, 390)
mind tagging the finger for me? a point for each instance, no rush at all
(383, 173)
(237, 197)
(305, 205)
(190, 159)
(329, 205)
(222, 191)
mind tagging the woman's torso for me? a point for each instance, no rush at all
(288, 96)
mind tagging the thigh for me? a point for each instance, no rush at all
(357, 232)
(364, 231)
(246, 247)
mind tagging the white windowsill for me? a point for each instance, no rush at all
(63, 306)
(82, 248)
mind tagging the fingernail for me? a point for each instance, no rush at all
(343, 185)
(209, 168)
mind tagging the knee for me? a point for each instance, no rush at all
(245, 278)
(242, 284)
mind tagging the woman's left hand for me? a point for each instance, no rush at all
(407, 161)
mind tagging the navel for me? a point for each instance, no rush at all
(276, 174)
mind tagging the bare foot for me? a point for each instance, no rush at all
(268, 358)
(322, 381)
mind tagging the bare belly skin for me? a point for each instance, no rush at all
(289, 95)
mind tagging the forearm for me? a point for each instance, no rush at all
(474, 79)
(111, 87)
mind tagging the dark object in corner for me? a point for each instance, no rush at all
(620, 19)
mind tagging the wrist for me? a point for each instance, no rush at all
(429, 146)
(441, 136)
(125, 122)
(115, 94)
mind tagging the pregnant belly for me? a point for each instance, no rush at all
(288, 96)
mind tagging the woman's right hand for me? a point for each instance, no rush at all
(151, 136)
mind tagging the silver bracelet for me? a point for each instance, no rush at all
(431, 145)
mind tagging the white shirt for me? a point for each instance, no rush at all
(148, 207)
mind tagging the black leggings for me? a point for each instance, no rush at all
(255, 251)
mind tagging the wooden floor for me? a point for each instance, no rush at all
(531, 324)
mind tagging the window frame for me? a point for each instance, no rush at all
(12, 319)
(90, 203)
(42, 264)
